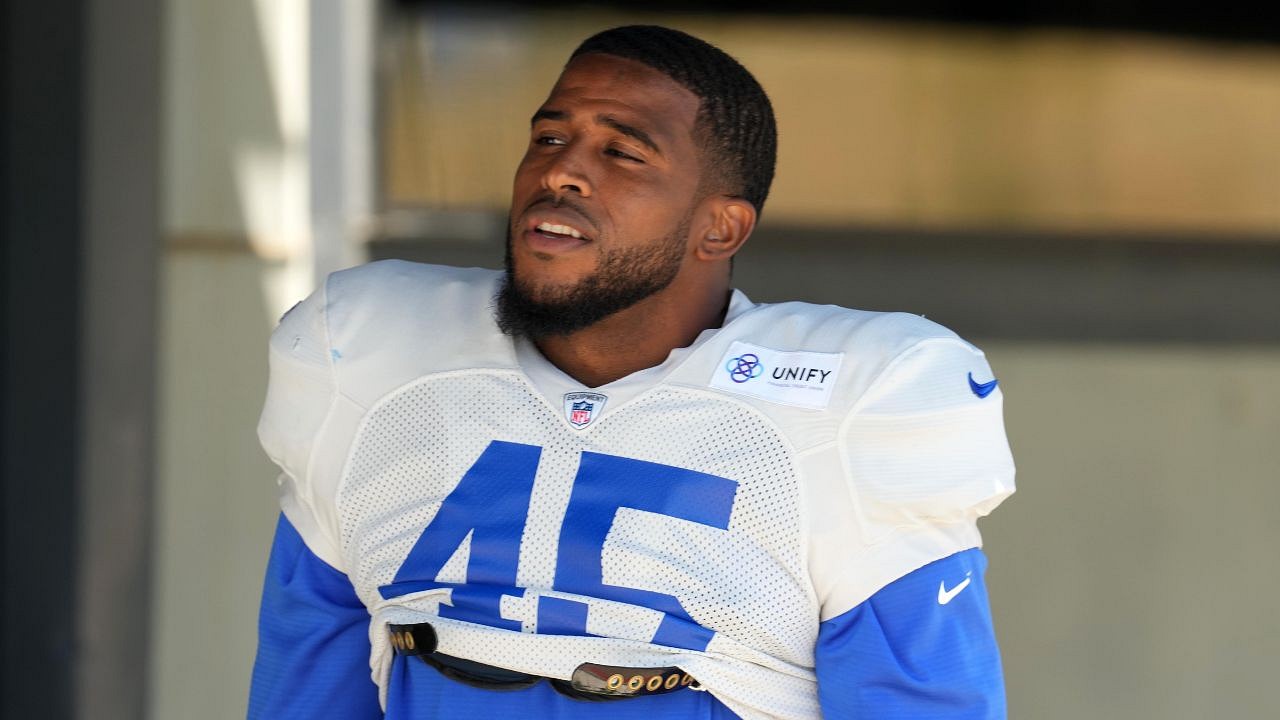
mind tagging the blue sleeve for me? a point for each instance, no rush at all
(313, 642)
(922, 647)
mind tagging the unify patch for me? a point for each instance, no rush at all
(803, 379)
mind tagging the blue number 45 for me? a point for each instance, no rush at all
(492, 504)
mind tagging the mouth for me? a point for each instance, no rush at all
(554, 232)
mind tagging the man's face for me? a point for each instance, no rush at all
(602, 200)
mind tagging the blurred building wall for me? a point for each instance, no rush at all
(1131, 573)
(266, 170)
(889, 124)
(237, 254)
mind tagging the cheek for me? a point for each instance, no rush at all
(666, 195)
(525, 173)
(650, 211)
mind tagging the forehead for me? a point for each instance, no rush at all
(598, 83)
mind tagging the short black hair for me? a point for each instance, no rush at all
(735, 126)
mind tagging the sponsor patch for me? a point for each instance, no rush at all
(580, 408)
(803, 379)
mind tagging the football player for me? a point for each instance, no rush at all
(604, 484)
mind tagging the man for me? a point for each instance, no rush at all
(606, 485)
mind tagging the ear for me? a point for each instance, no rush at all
(731, 221)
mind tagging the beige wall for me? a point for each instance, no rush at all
(881, 123)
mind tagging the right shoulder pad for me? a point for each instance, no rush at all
(300, 387)
(300, 393)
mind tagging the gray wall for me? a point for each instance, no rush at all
(215, 497)
(1133, 575)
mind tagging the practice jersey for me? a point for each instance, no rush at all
(708, 513)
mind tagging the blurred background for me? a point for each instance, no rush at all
(1089, 192)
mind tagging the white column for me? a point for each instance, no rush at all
(341, 132)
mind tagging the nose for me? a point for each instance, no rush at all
(566, 173)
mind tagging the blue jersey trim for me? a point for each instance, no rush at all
(922, 647)
(902, 653)
(313, 641)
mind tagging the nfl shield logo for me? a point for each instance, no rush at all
(581, 413)
(580, 408)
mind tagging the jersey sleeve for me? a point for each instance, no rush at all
(300, 395)
(924, 455)
(922, 647)
(313, 642)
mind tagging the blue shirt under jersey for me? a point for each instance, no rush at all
(921, 647)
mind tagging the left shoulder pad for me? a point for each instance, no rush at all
(925, 443)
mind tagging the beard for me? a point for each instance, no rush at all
(622, 279)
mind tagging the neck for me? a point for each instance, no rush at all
(639, 337)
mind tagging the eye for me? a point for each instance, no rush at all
(548, 140)
(615, 152)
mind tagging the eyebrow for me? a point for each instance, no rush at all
(543, 114)
(603, 119)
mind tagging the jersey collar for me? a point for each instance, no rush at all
(554, 384)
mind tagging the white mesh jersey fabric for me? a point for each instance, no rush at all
(747, 582)
(391, 383)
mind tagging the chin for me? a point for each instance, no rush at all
(542, 290)
(539, 278)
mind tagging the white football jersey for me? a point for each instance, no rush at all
(707, 513)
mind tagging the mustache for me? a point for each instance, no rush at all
(549, 200)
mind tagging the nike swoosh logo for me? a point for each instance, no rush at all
(945, 596)
(982, 389)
